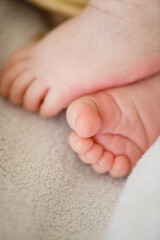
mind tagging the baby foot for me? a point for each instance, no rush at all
(113, 128)
(109, 44)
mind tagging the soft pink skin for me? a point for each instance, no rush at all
(113, 128)
(111, 43)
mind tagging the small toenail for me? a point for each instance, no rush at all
(101, 163)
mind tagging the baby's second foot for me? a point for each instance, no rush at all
(109, 44)
(113, 128)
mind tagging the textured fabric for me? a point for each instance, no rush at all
(68, 7)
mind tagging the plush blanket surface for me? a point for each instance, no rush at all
(46, 193)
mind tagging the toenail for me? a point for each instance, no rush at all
(106, 161)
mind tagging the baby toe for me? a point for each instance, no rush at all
(54, 102)
(78, 144)
(93, 155)
(20, 54)
(34, 95)
(9, 75)
(19, 87)
(121, 167)
(105, 163)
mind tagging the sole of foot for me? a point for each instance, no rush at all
(112, 129)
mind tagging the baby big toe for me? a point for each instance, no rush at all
(82, 116)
